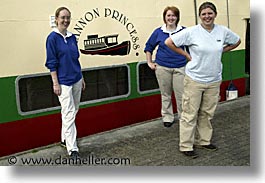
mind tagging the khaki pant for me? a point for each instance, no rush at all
(170, 79)
(199, 103)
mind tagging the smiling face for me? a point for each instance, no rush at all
(170, 18)
(63, 18)
(207, 17)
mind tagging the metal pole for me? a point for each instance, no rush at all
(227, 9)
(195, 10)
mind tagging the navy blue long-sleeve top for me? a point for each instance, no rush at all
(165, 56)
(62, 56)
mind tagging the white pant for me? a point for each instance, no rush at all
(70, 99)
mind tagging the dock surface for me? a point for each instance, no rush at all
(151, 144)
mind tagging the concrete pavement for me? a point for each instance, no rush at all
(151, 144)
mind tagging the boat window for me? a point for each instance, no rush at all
(147, 81)
(106, 83)
(112, 40)
(35, 92)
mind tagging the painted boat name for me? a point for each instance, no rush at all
(90, 16)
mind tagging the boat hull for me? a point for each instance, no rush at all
(120, 49)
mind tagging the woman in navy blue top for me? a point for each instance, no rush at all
(62, 61)
(168, 65)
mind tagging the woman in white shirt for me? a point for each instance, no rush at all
(206, 41)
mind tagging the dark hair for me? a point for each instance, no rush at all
(57, 12)
(207, 5)
(175, 10)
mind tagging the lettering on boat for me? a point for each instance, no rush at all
(96, 44)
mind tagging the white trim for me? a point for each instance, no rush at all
(164, 29)
(138, 80)
(68, 34)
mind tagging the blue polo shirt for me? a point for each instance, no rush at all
(62, 56)
(165, 56)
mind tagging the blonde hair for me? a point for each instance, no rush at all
(57, 12)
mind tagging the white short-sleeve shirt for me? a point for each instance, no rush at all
(206, 50)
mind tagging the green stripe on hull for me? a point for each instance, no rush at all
(234, 65)
(234, 61)
(8, 106)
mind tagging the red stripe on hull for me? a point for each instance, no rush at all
(240, 85)
(35, 132)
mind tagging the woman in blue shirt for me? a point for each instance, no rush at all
(62, 61)
(168, 65)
